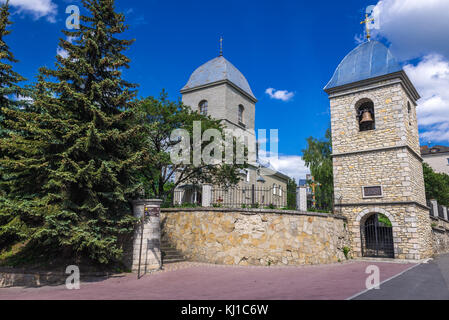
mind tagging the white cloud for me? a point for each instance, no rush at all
(431, 78)
(414, 27)
(37, 8)
(62, 52)
(419, 29)
(283, 95)
(290, 165)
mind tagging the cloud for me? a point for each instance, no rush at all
(290, 165)
(36, 8)
(418, 30)
(62, 52)
(283, 95)
(431, 78)
(414, 27)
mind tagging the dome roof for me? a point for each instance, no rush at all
(215, 70)
(369, 60)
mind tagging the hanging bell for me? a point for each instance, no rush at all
(367, 117)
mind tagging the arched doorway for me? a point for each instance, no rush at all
(377, 237)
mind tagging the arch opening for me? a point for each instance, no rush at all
(377, 236)
(366, 117)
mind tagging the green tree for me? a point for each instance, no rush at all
(12, 97)
(161, 176)
(74, 170)
(318, 157)
(291, 194)
(437, 185)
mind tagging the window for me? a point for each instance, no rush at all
(274, 189)
(448, 161)
(409, 108)
(203, 107)
(241, 110)
(365, 115)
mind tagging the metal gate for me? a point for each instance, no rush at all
(377, 238)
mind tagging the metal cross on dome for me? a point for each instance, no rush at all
(367, 22)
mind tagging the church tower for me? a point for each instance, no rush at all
(220, 90)
(378, 175)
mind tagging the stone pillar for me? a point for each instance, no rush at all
(301, 198)
(434, 204)
(445, 213)
(206, 196)
(146, 248)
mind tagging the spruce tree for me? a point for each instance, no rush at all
(75, 168)
(12, 97)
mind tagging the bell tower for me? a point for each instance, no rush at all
(378, 175)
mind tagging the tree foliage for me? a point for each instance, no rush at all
(437, 185)
(12, 97)
(318, 157)
(161, 176)
(73, 160)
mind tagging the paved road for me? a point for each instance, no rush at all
(209, 282)
(425, 282)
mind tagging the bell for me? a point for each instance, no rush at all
(366, 117)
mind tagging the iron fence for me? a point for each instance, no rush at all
(250, 197)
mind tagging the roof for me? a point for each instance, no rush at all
(425, 150)
(369, 60)
(215, 70)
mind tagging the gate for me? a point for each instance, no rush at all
(377, 237)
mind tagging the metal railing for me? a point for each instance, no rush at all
(250, 197)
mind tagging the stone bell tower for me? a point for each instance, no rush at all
(378, 175)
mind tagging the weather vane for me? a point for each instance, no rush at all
(367, 22)
(221, 46)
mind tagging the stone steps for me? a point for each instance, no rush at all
(170, 254)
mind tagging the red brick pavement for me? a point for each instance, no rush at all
(192, 281)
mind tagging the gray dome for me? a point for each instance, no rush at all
(215, 70)
(369, 60)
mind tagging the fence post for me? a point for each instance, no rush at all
(146, 253)
(434, 204)
(206, 200)
(253, 195)
(301, 198)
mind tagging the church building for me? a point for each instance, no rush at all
(218, 89)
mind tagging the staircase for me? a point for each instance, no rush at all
(169, 253)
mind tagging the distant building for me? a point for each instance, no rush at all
(437, 158)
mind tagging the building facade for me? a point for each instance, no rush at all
(378, 174)
(437, 157)
(218, 89)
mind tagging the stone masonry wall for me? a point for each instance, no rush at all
(411, 229)
(387, 156)
(255, 236)
(440, 235)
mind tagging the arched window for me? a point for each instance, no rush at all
(203, 107)
(241, 111)
(409, 108)
(365, 115)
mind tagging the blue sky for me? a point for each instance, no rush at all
(291, 46)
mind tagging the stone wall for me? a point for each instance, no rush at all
(411, 229)
(255, 236)
(440, 235)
